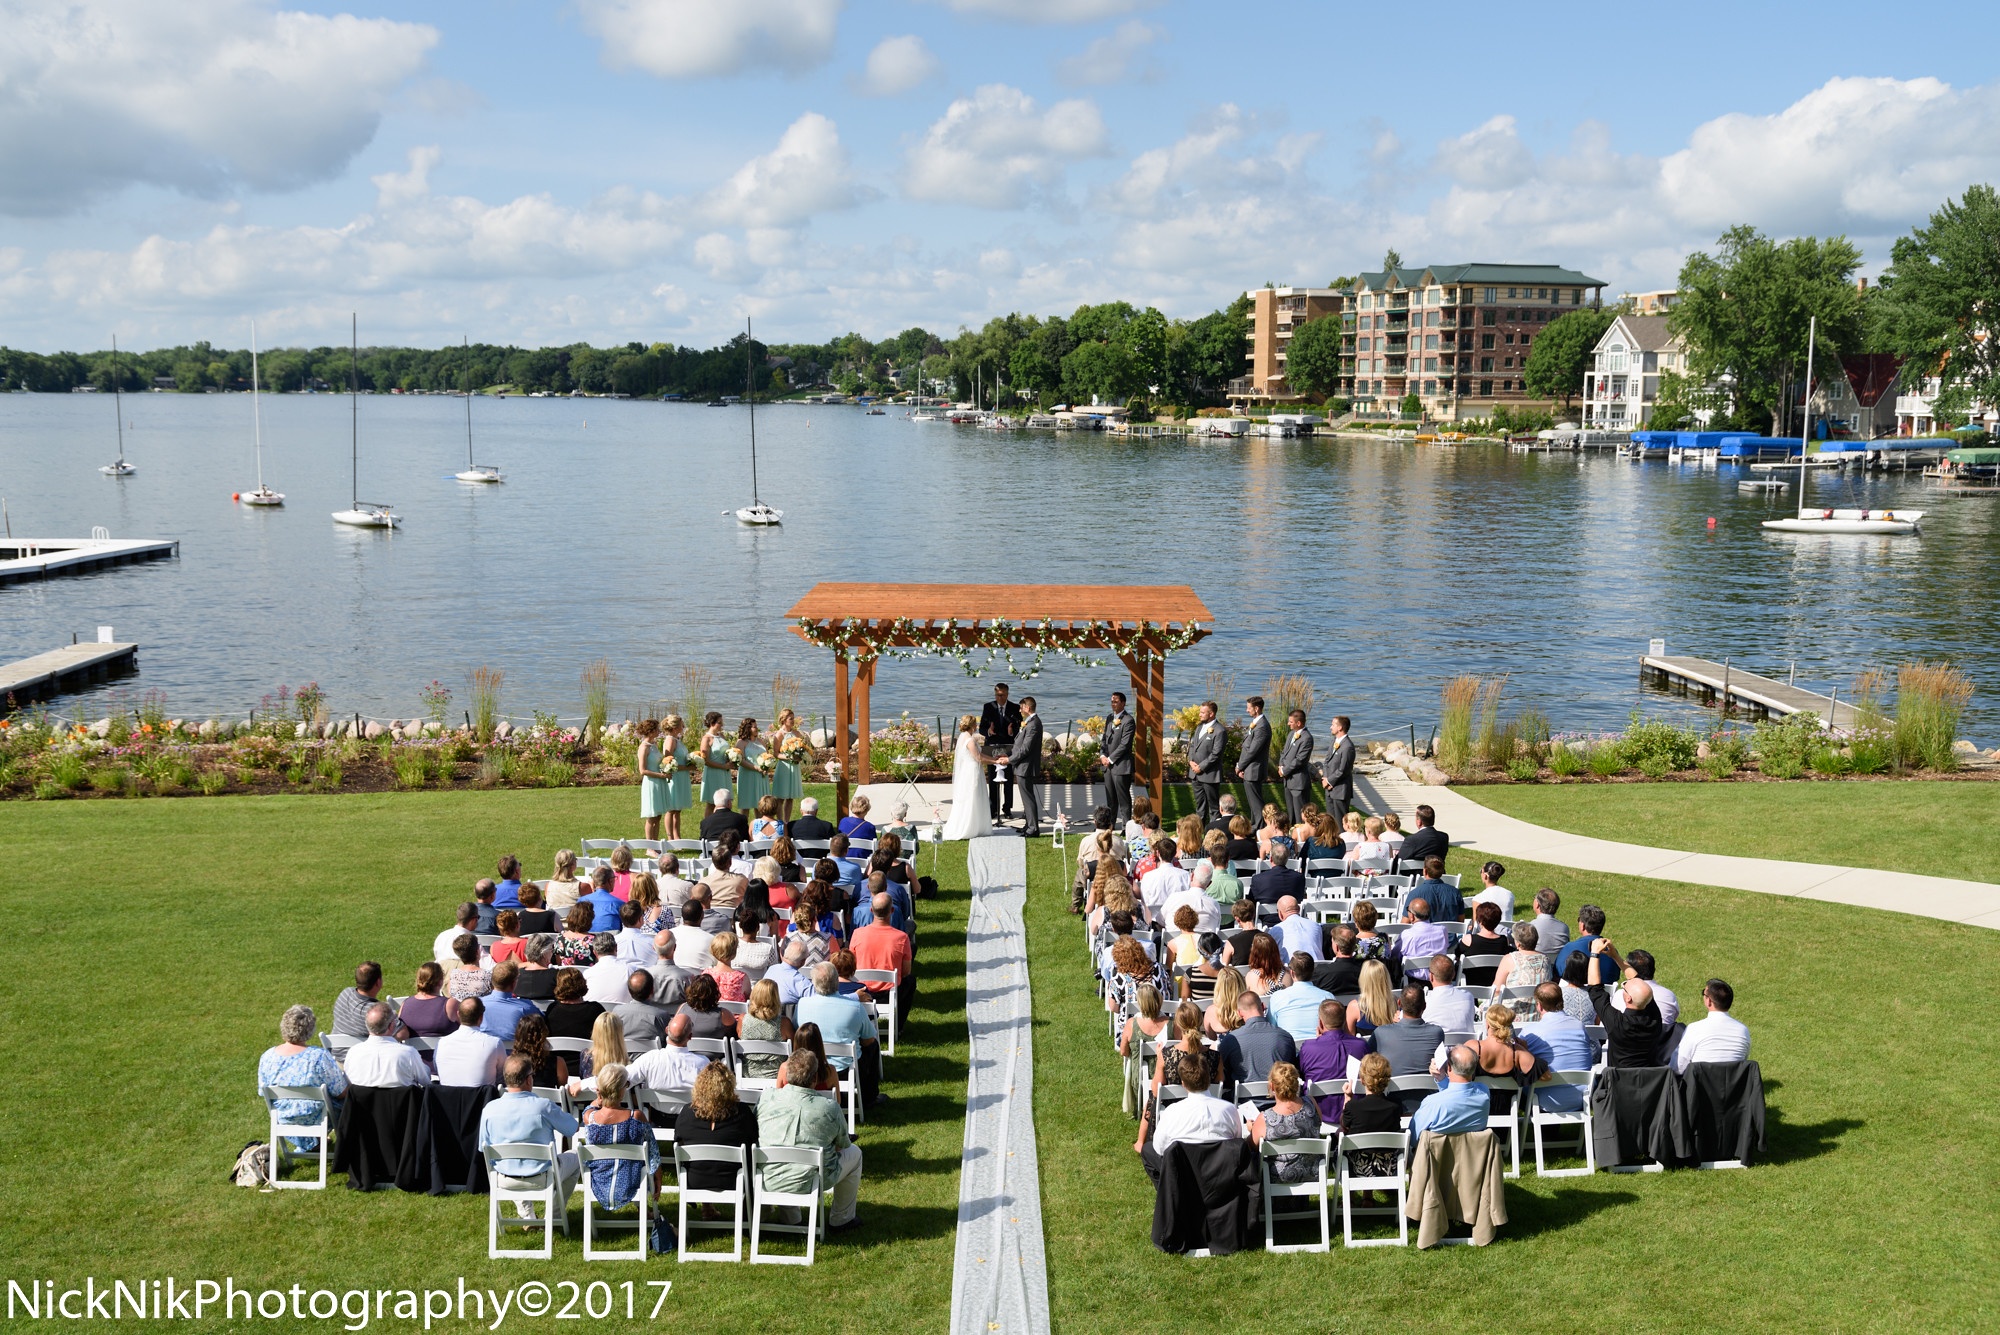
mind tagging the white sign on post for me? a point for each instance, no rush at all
(104, 635)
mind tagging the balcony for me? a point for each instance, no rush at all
(1912, 405)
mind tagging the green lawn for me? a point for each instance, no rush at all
(1941, 829)
(1875, 1212)
(158, 941)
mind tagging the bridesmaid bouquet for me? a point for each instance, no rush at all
(735, 755)
(795, 749)
(766, 763)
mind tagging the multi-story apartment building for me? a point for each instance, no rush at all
(1275, 314)
(1457, 335)
(1651, 303)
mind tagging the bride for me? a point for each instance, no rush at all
(969, 816)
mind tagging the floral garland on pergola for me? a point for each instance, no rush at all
(1146, 643)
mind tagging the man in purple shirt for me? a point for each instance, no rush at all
(1423, 940)
(1326, 1057)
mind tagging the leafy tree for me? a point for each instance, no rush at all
(1032, 371)
(1674, 408)
(1560, 359)
(1392, 259)
(1746, 310)
(1413, 405)
(1312, 358)
(1939, 303)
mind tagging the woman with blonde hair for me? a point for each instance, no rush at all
(787, 781)
(1187, 835)
(614, 1183)
(1288, 1118)
(1167, 1070)
(1221, 1016)
(607, 1045)
(764, 823)
(1369, 1110)
(715, 1116)
(1272, 831)
(731, 983)
(654, 917)
(561, 891)
(652, 778)
(1148, 1023)
(718, 771)
(1373, 1008)
(764, 1022)
(621, 871)
(1353, 830)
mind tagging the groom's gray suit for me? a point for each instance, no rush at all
(1026, 762)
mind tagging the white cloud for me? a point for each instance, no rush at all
(998, 150)
(1050, 11)
(204, 98)
(1113, 57)
(806, 173)
(898, 64)
(690, 39)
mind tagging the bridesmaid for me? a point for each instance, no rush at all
(752, 786)
(679, 766)
(652, 778)
(716, 771)
(787, 785)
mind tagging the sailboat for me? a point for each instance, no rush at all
(120, 468)
(473, 472)
(1890, 522)
(360, 513)
(756, 513)
(263, 495)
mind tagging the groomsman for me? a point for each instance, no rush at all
(1205, 763)
(1025, 760)
(1116, 757)
(1338, 771)
(1253, 766)
(999, 720)
(1295, 766)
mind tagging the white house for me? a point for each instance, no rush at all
(1624, 380)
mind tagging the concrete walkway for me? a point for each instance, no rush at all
(1482, 829)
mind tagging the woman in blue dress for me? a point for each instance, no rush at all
(788, 783)
(616, 1183)
(299, 1062)
(716, 770)
(752, 784)
(652, 778)
(676, 761)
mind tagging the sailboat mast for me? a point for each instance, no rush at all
(1805, 435)
(354, 410)
(749, 393)
(256, 407)
(118, 398)
(468, 402)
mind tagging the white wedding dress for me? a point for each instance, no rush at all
(969, 816)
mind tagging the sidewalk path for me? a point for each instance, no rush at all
(1485, 830)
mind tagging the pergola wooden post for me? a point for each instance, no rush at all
(1140, 624)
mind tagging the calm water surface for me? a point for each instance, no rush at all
(1375, 569)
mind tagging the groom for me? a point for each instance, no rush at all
(999, 720)
(1026, 762)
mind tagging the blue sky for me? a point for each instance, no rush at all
(656, 169)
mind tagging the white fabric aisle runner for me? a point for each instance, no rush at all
(1000, 1279)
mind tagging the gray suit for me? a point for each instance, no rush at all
(1338, 775)
(1117, 753)
(1408, 1046)
(1026, 763)
(1205, 768)
(1255, 764)
(1295, 772)
(1249, 1051)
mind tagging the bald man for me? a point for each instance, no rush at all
(1633, 1035)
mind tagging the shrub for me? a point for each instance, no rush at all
(411, 766)
(1486, 740)
(329, 770)
(212, 781)
(486, 700)
(1454, 744)
(1607, 759)
(1715, 766)
(48, 790)
(596, 682)
(1564, 760)
(1830, 760)
(1728, 751)
(1657, 748)
(1784, 746)
(1523, 769)
(1930, 699)
(70, 771)
(559, 774)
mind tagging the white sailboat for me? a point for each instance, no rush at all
(119, 468)
(473, 472)
(1885, 522)
(263, 495)
(756, 514)
(360, 513)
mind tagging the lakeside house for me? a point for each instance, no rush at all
(1623, 385)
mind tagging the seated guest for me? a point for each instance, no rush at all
(537, 979)
(1576, 1000)
(561, 891)
(881, 946)
(1462, 1105)
(674, 889)
(531, 1040)
(1296, 935)
(1341, 975)
(1632, 1033)
(673, 1065)
(781, 865)
(809, 827)
(633, 944)
(1412, 1045)
(843, 1020)
(1200, 1118)
(1295, 1008)
(899, 825)
(888, 858)
(725, 819)
(1372, 848)
(467, 978)
(573, 1014)
(689, 940)
(1219, 1016)
(379, 1061)
(1392, 832)
(468, 925)
(1639, 964)
(795, 1115)
(1718, 1036)
(1484, 939)
(1425, 841)
(1279, 880)
(715, 1116)
(1183, 948)
(507, 888)
(616, 1183)
(1446, 904)
(755, 951)
(1248, 1051)
(1288, 1118)
(730, 982)
(788, 974)
(1561, 1044)
(1166, 879)
(603, 902)
(1324, 843)
(504, 1010)
(1492, 892)
(1242, 846)
(807, 921)
(806, 1039)
(641, 1017)
(1272, 834)
(1147, 1022)
(1589, 926)
(646, 896)
(482, 894)
(1170, 1065)
(1352, 827)
(1369, 1111)
(1502, 1053)
(724, 885)
(350, 1008)
(850, 874)
(1141, 833)
(1223, 886)
(521, 1117)
(1326, 1056)
(299, 1062)
(468, 1056)
(1551, 932)
(426, 1014)
(1376, 1006)
(701, 1005)
(1449, 1006)
(898, 896)
(1369, 944)
(855, 824)
(536, 918)
(1423, 939)
(607, 1047)
(763, 1022)
(1267, 966)
(604, 981)
(764, 823)
(1242, 931)
(578, 943)
(508, 947)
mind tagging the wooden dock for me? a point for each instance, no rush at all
(62, 669)
(39, 558)
(1761, 696)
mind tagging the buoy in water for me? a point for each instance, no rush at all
(235, 495)
(1711, 521)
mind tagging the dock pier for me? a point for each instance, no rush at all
(1731, 686)
(62, 669)
(40, 558)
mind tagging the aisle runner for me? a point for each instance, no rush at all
(1000, 1281)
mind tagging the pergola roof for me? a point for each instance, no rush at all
(1161, 605)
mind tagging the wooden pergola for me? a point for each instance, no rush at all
(1139, 624)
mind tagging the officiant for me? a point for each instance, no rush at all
(999, 721)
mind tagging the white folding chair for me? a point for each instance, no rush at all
(586, 1154)
(660, 1107)
(339, 1045)
(1349, 1184)
(1508, 1121)
(737, 1198)
(550, 1195)
(321, 1131)
(1467, 963)
(767, 1198)
(888, 1003)
(602, 849)
(1540, 1118)
(1410, 1084)
(1315, 1187)
(747, 1048)
(849, 1089)
(715, 1049)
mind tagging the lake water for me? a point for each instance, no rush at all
(1376, 569)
